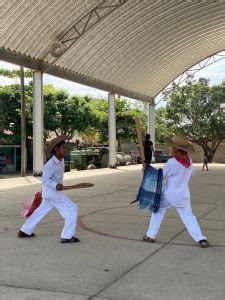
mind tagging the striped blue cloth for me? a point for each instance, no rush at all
(149, 194)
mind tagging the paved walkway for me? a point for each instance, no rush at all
(112, 262)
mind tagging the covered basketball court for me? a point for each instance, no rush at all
(125, 47)
(134, 49)
(112, 261)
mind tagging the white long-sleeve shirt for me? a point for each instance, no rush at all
(176, 189)
(53, 172)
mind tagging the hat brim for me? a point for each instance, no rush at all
(56, 141)
(188, 148)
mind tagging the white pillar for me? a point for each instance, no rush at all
(38, 123)
(151, 124)
(23, 124)
(112, 130)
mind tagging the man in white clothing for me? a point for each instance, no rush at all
(52, 196)
(177, 172)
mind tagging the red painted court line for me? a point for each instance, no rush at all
(82, 225)
(87, 228)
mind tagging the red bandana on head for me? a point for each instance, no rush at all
(185, 162)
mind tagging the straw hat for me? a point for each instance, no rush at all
(179, 142)
(56, 141)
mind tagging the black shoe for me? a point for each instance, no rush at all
(203, 244)
(22, 234)
(72, 240)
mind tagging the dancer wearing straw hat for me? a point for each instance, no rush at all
(177, 172)
(52, 186)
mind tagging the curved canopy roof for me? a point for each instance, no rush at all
(131, 47)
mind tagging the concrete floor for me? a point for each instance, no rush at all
(112, 262)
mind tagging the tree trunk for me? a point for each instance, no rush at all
(209, 152)
(119, 143)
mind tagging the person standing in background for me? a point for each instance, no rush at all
(205, 164)
(148, 149)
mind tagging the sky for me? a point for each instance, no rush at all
(72, 87)
(214, 72)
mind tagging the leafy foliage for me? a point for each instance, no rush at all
(195, 110)
(125, 124)
(65, 114)
(163, 128)
(15, 73)
(10, 112)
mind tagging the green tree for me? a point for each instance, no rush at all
(195, 110)
(64, 114)
(10, 112)
(163, 128)
(15, 73)
(100, 109)
(125, 124)
(90, 136)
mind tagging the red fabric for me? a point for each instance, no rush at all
(185, 162)
(36, 202)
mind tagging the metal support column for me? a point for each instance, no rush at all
(23, 124)
(112, 130)
(38, 123)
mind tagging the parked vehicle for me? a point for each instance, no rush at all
(161, 157)
(96, 157)
(101, 157)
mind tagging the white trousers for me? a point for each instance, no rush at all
(186, 215)
(67, 209)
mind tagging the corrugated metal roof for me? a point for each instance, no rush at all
(136, 50)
